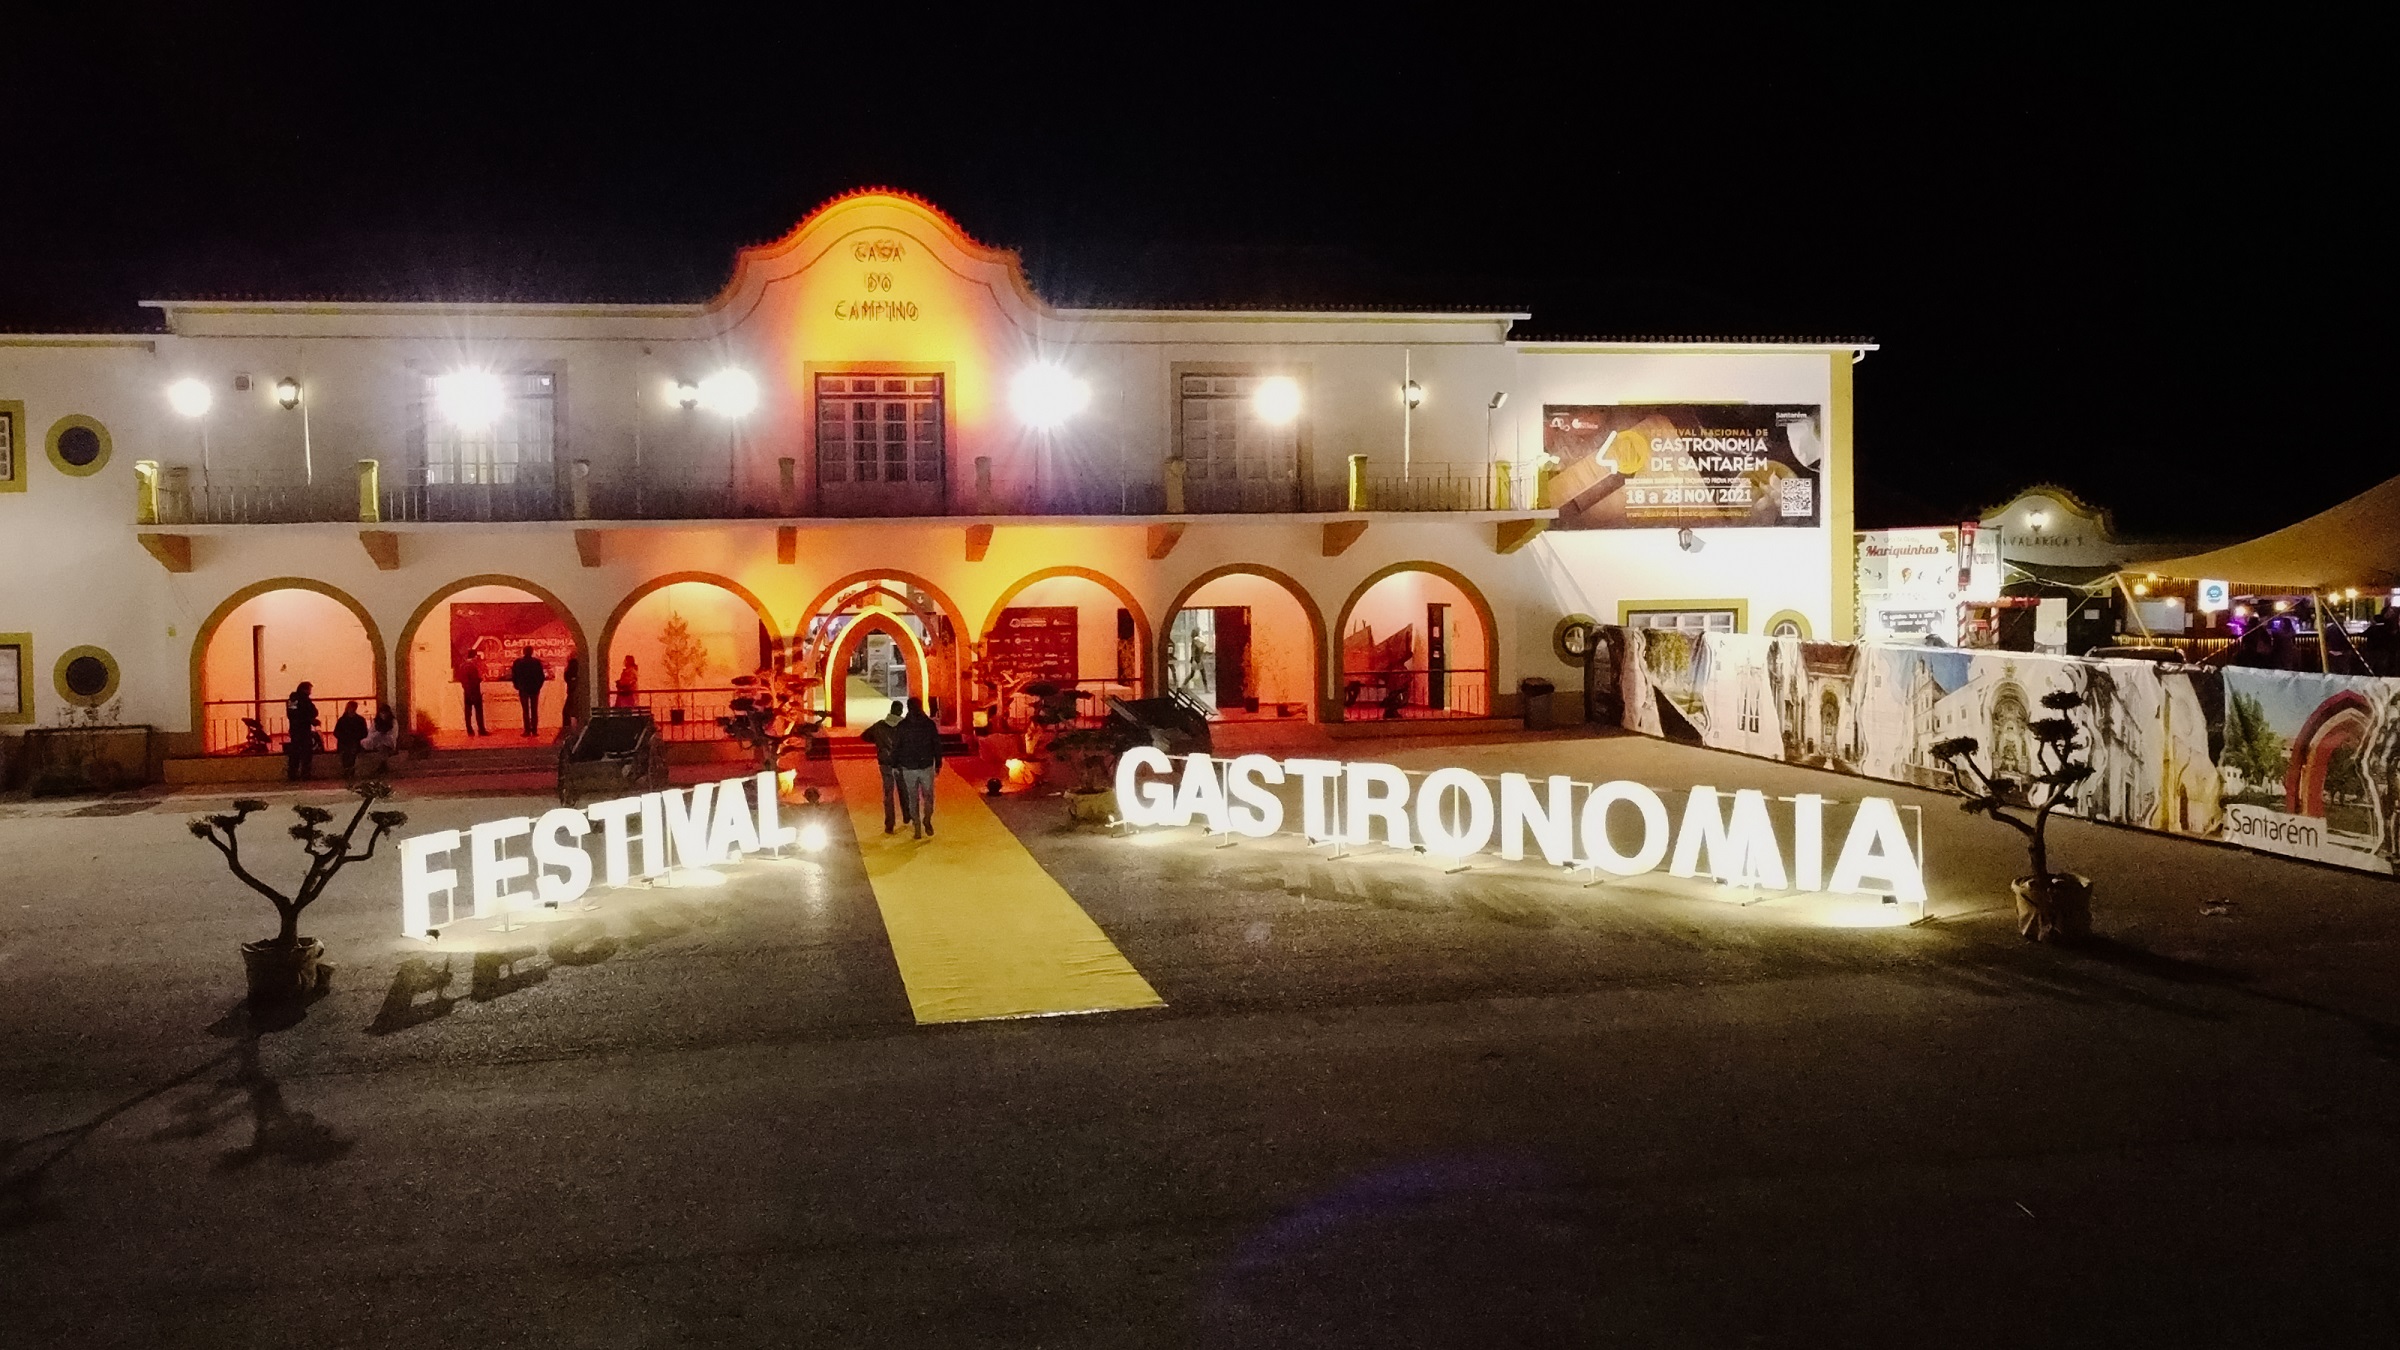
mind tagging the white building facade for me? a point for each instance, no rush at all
(879, 442)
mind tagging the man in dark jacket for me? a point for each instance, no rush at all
(917, 753)
(883, 735)
(469, 673)
(300, 746)
(529, 675)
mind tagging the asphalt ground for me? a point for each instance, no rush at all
(1382, 1105)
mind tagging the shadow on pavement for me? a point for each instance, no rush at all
(277, 1131)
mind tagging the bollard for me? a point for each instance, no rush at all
(1358, 482)
(1541, 485)
(579, 489)
(370, 493)
(786, 479)
(983, 484)
(1504, 488)
(1175, 472)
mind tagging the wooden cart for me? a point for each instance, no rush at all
(616, 753)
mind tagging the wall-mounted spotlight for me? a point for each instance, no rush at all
(1045, 396)
(729, 393)
(2039, 520)
(1686, 540)
(1277, 400)
(468, 399)
(287, 393)
(684, 394)
(190, 398)
(1413, 394)
(1499, 400)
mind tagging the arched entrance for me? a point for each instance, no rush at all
(488, 621)
(687, 635)
(928, 623)
(1245, 641)
(261, 642)
(1418, 641)
(876, 660)
(1065, 626)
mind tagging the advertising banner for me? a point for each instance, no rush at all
(2294, 763)
(494, 635)
(1035, 641)
(1672, 465)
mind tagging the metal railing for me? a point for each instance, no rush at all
(1415, 694)
(682, 714)
(373, 492)
(225, 730)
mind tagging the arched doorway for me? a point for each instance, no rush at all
(922, 623)
(2327, 778)
(1244, 641)
(688, 635)
(1417, 641)
(876, 660)
(488, 622)
(1068, 626)
(265, 639)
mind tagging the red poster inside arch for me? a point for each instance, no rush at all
(494, 634)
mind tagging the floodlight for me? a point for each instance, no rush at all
(1277, 400)
(468, 399)
(683, 394)
(2039, 520)
(812, 838)
(189, 397)
(729, 393)
(1044, 395)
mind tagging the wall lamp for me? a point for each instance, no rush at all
(729, 393)
(1413, 393)
(287, 393)
(1277, 400)
(1045, 395)
(190, 398)
(468, 399)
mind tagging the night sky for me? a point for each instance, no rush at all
(2125, 262)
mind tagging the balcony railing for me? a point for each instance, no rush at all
(574, 491)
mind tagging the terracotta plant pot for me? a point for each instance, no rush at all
(1095, 807)
(282, 974)
(2066, 915)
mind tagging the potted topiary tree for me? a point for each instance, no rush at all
(287, 965)
(768, 715)
(2051, 906)
(1092, 753)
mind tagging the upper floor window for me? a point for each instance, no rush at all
(1686, 620)
(1237, 454)
(503, 429)
(879, 429)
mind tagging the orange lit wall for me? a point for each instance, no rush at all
(1398, 601)
(1279, 635)
(722, 622)
(308, 636)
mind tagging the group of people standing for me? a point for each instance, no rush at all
(526, 675)
(354, 735)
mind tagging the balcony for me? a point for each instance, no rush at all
(575, 491)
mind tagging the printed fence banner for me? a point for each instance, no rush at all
(2298, 764)
(2309, 766)
(1669, 465)
(493, 635)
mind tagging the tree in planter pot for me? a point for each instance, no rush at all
(1093, 752)
(1054, 706)
(769, 713)
(2051, 906)
(287, 965)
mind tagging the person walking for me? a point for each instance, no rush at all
(884, 736)
(349, 736)
(629, 684)
(300, 745)
(529, 675)
(917, 753)
(470, 692)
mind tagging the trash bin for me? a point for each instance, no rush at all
(1534, 695)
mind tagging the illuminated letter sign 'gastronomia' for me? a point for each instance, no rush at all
(525, 860)
(1456, 812)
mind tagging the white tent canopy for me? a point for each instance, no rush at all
(2354, 544)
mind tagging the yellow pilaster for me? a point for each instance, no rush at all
(1841, 520)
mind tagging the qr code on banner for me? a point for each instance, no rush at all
(1797, 497)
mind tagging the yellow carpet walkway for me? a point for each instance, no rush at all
(978, 928)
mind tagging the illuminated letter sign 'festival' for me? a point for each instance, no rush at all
(1456, 812)
(526, 860)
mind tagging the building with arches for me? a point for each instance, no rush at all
(878, 455)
